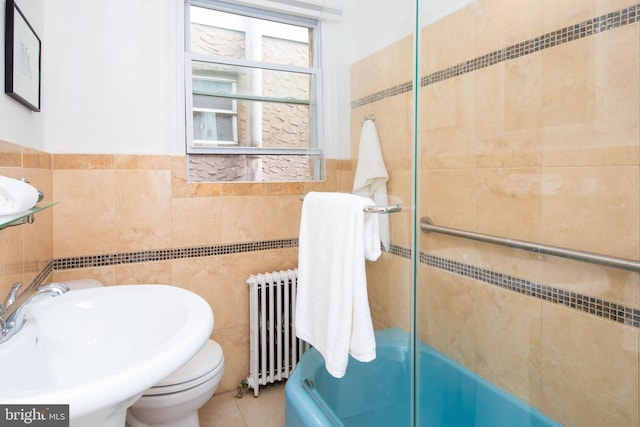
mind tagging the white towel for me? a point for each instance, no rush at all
(16, 196)
(371, 176)
(332, 305)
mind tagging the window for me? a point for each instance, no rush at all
(215, 120)
(252, 95)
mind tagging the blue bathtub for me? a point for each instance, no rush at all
(377, 393)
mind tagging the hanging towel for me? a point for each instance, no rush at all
(332, 305)
(16, 196)
(371, 176)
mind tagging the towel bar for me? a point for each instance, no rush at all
(383, 209)
(378, 209)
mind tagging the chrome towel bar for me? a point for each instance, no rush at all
(426, 224)
(383, 209)
(378, 209)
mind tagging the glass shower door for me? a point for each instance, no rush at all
(378, 44)
(528, 129)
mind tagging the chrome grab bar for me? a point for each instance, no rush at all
(426, 224)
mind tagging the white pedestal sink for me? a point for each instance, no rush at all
(99, 349)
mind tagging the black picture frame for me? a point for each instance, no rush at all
(22, 58)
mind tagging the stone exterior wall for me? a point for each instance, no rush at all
(217, 41)
(239, 168)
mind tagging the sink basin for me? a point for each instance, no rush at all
(99, 349)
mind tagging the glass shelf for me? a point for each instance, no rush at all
(25, 217)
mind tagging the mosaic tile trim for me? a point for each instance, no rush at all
(378, 96)
(564, 35)
(11, 269)
(583, 29)
(605, 309)
(617, 312)
(400, 251)
(170, 254)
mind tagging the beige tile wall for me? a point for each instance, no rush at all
(26, 250)
(546, 148)
(110, 204)
(389, 278)
(115, 204)
(500, 152)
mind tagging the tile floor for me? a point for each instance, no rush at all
(225, 410)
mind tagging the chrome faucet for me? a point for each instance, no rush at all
(13, 310)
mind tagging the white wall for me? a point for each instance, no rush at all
(370, 25)
(113, 77)
(18, 124)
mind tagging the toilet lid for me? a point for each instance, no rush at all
(206, 360)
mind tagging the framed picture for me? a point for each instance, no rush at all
(22, 58)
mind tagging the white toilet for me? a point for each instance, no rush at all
(174, 401)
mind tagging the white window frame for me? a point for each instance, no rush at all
(315, 149)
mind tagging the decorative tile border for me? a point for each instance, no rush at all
(169, 254)
(568, 34)
(400, 251)
(378, 96)
(605, 309)
(608, 310)
(617, 312)
(564, 35)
